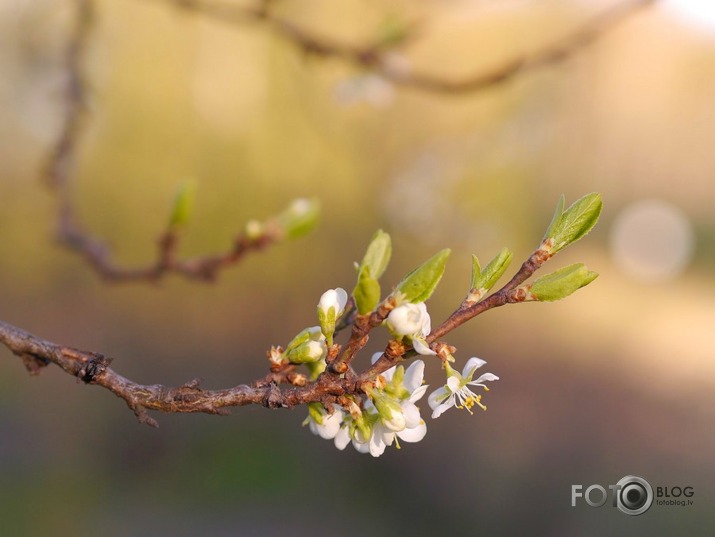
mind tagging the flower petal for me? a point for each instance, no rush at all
(414, 376)
(376, 445)
(420, 345)
(362, 447)
(415, 434)
(342, 297)
(426, 320)
(485, 377)
(454, 384)
(342, 438)
(411, 414)
(437, 397)
(440, 409)
(418, 393)
(331, 425)
(471, 366)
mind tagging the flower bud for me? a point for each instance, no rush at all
(390, 412)
(409, 319)
(299, 218)
(330, 308)
(312, 333)
(308, 352)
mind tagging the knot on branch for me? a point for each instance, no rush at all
(93, 368)
(34, 364)
(273, 397)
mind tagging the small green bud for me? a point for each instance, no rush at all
(419, 284)
(299, 218)
(570, 225)
(317, 412)
(484, 280)
(390, 412)
(308, 352)
(308, 334)
(395, 387)
(378, 254)
(366, 292)
(363, 424)
(316, 368)
(561, 283)
(183, 206)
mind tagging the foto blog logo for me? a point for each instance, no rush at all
(632, 495)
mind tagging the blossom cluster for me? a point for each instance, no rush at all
(388, 412)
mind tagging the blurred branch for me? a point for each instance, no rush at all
(62, 166)
(376, 56)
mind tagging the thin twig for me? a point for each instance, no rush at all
(376, 56)
(506, 295)
(61, 168)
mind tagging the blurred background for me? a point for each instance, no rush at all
(616, 380)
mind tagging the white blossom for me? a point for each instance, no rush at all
(413, 321)
(381, 428)
(456, 392)
(335, 299)
(330, 308)
(323, 424)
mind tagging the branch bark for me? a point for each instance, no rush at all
(93, 368)
(375, 56)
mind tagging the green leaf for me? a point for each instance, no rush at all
(562, 283)
(556, 219)
(419, 284)
(299, 218)
(366, 292)
(486, 278)
(183, 206)
(378, 254)
(575, 222)
(476, 272)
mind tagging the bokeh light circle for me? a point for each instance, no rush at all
(652, 241)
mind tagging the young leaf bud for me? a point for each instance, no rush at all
(183, 204)
(570, 225)
(561, 283)
(419, 284)
(299, 218)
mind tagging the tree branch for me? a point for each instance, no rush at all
(93, 368)
(61, 166)
(375, 56)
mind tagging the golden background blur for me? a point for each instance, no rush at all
(616, 380)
